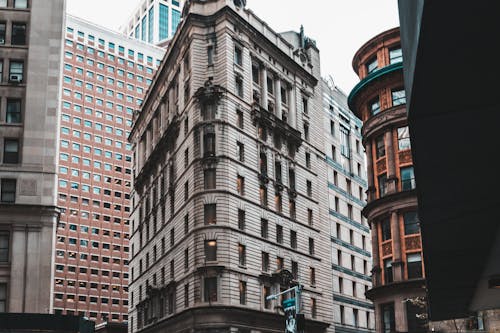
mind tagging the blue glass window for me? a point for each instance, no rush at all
(163, 21)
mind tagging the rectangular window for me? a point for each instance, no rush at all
(375, 106)
(404, 138)
(239, 86)
(295, 270)
(372, 65)
(398, 97)
(313, 307)
(386, 230)
(3, 297)
(163, 22)
(238, 56)
(210, 214)
(211, 250)
(388, 276)
(395, 55)
(8, 191)
(380, 146)
(240, 185)
(293, 239)
(311, 246)
(265, 261)
(210, 289)
(4, 248)
(388, 318)
(210, 55)
(264, 228)
(240, 151)
(11, 151)
(16, 71)
(407, 179)
(210, 178)
(255, 73)
(312, 276)
(243, 292)
(18, 33)
(241, 219)
(411, 223)
(279, 234)
(21, 4)
(239, 118)
(414, 262)
(266, 291)
(2, 31)
(263, 195)
(242, 254)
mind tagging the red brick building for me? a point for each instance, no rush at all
(105, 77)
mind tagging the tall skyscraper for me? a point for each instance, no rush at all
(105, 78)
(350, 233)
(229, 180)
(379, 100)
(154, 21)
(31, 35)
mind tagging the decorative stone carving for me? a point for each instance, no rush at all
(405, 157)
(413, 242)
(381, 166)
(387, 249)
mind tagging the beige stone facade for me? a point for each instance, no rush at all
(229, 179)
(30, 63)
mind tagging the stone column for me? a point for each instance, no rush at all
(391, 163)
(17, 283)
(263, 96)
(292, 113)
(376, 256)
(369, 170)
(277, 93)
(397, 264)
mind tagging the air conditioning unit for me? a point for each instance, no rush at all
(15, 78)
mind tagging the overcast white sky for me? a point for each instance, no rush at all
(340, 27)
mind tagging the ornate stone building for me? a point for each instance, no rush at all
(30, 38)
(379, 100)
(229, 179)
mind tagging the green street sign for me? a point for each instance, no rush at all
(288, 303)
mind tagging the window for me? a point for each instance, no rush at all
(210, 213)
(239, 118)
(388, 277)
(308, 160)
(372, 65)
(309, 216)
(211, 250)
(20, 3)
(295, 270)
(395, 55)
(278, 202)
(238, 56)
(386, 230)
(398, 97)
(210, 178)
(388, 318)
(293, 239)
(263, 195)
(16, 71)
(411, 223)
(239, 86)
(265, 261)
(404, 138)
(241, 219)
(264, 228)
(255, 73)
(210, 55)
(305, 105)
(210, 289)
(279, 234)
(266, 291)
(4, 247)
(306, 132)
(3, 297)
(240, 185)
(312, 276)
(2, 31)
(243, 292)
(11, 151)
(380, 146)
(311, 246)
(407, 179)
(280, 263)
(18, 33)
(242, 254)
(309, 188)
(313, 307)
(209, 142)
(8, 191)
(414, 263)
(240, 151)
(375, 106)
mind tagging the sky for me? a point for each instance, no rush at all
(339, 27)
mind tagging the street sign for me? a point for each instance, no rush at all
(288, 303)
